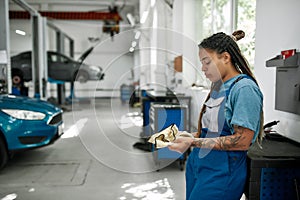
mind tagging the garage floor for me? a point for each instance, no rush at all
(95, 159)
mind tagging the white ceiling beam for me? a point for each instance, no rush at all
(81, 2)
(26, 7)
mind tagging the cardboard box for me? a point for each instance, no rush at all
(178, 64)
(287, 53)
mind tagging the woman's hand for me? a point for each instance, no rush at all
(181, 144)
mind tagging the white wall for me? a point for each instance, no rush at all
(19, 43)
(154, 45)
(111, 54)
(278, 28)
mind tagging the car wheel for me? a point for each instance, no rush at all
(3, 153)
(16, 80)
(82, 77)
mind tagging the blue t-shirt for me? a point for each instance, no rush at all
(244, 104)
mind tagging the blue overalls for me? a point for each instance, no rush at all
(216, 174)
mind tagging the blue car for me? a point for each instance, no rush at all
(27, 123)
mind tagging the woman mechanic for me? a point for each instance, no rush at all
(229, 122)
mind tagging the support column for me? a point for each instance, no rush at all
(38, 55)
(142, 35)
(5, 68)
(71, 48)
(189, 45)
(61, 90)
(45, 59)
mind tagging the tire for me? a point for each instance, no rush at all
(16, 80)
(3, 153)
(17, 74)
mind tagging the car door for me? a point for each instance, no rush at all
(60, 67)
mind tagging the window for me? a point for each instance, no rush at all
(53, 58)
(221, 16)
(227, 16)
(246, 21)
(58, 58)
(63, 58)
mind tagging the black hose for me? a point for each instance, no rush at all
(270, 124)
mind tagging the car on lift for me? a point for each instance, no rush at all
(27, 123)
(60, 67)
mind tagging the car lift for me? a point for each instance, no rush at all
(60, 46)
(5, 69)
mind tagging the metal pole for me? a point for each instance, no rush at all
(38, 55)
(26, 7)
(45, 60)
(5, 68)
(72, 92)
(38, 50)
(60, 48)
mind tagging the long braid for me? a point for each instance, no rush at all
(200, 117)
(220, 42)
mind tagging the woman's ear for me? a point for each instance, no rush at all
(226, 57)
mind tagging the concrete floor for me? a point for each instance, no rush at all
(95, 159)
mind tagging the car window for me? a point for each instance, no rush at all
(63, 58)
(52, 58)
(58, 58)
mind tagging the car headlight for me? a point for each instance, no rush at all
(24, 114)
(95, 68)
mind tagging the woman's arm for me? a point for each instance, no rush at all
(239, 141)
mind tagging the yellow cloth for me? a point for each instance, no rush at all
(167, 136)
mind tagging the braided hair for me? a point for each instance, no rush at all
(220, 43)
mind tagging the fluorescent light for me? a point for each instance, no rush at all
(144, 17)
(130, 19)
(137, 35)
(20, 32)
(131, 49)
(133, 43)
(153, 3)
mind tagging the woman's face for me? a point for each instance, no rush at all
(212, 64)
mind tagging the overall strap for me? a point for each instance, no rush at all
(237, 80)
(226, 128)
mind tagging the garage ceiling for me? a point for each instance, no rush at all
(80, 9)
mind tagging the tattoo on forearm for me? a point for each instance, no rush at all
(230, 142)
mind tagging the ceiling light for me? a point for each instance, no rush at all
(153, 3)
(20, 32)
(144, 17)
(131, 49)
(130, 19)
(137, 35)
(133, 43)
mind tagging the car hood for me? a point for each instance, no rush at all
(85, 54)
(26, 103)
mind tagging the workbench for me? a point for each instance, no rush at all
(274, 169)
(152, 96)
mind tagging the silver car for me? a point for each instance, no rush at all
(60, 67)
